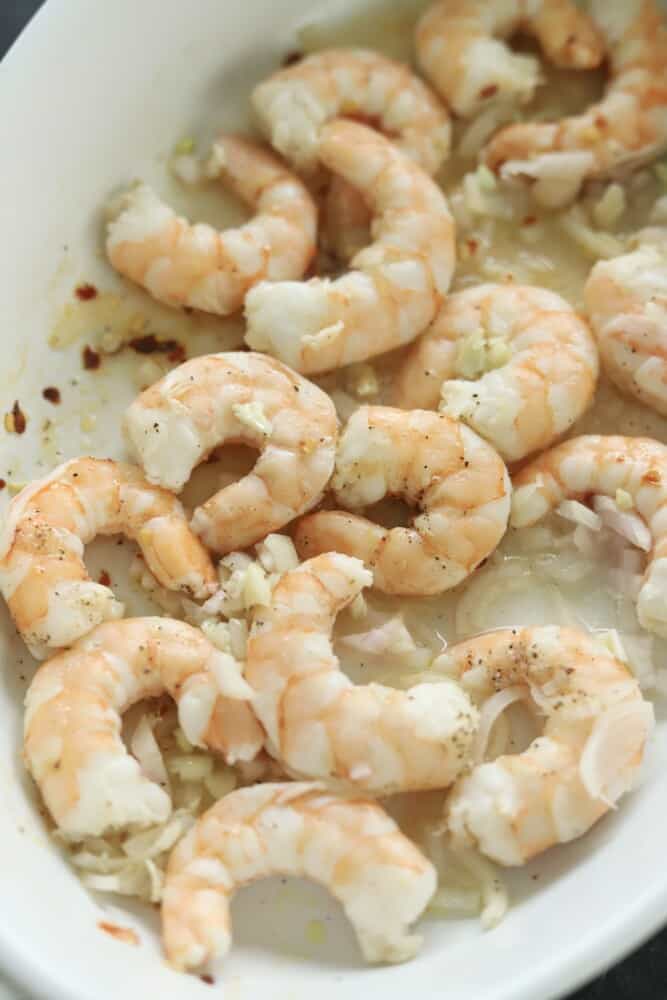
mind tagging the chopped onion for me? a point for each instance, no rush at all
(626, 584)
(492, 708)
(608, 765)
(145, 748)
(450, 901)
(390, 637)
(573, 510)
(150, 843)
(191, 766)
(492, 888)
(626, 524)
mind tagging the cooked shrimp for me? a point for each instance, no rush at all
(296, 102)
(43, 576)
(319, 724)
(197, 266)
(73, 746)
(460, 47)
(626, 299)
(593, 464)
(626, 128)
(456, 480)
(245, 398)
(350, 846)
(589, 754)
(513, 362)
(396, 284)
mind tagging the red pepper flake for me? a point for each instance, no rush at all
(104, 578)
(209, 980)
(2, 484)
(529, 220)
(149, 344)
(85, 292)
(601, 121)
(125, 934)
(91, 359)
(52, 394)
(472, 245)
(489, 91)
(19, 420)
(292, 57)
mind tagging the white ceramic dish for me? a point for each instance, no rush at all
(88, 95)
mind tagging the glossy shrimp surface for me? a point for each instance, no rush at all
(238, 397)
(594, 464)
(461, 49)
(350, 846)
(626, 299)
(73, 746)
(456, 480)
(395, 285)
(319, 724)
(183, 264)
(43, 576)
(514, 362)
(596, 725)
(626, 128)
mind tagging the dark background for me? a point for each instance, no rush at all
(643, 976)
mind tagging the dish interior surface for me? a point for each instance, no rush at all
(92, 96)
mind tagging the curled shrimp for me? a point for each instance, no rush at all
(395, 285)
(460, 48)
(456, 480)
(319, 724)
(594, 464)
(588, 755)
(296, 102)
(626, 299)
(626, 128)
(238, 397)
(43, 576)
(351, 846)
(197, 266)
(513, 362)
(73, 746)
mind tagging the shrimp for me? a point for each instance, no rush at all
(593, 464)
(626, 299)
(396, 284)
(457, 481)
(296, 102)
(350, 846)
(43, 576)
(460, 48)
(197, 266)
(238, 397)
(626, 128)
(513, 362)
(589, 754)
(319, 724)
(72, 735)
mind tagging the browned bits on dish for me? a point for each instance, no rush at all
(529, 220)
(91, 359)
(104, 578)
(125, 934)
(652, 476)
(3, 483)
(51, 394)
(149, 344)
(489, 91)
(209, 980)
(292, 57)
(85, 292)
(15, 421)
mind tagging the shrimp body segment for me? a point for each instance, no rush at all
(626, 299)
(461, 48)
(596, 724)
(514, 362)
(594, 464)
(319, 724)
(626, 128)
(73, 745)
(395, 284)
(300, 829)
(456, 480)
(43, 576)
(238, 397)
(295, 103)
(197, 266)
